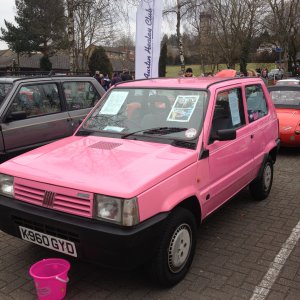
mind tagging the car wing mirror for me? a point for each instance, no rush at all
(16, 115)
(223, 135)
(226, 134)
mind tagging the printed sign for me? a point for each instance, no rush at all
(148, 29)
(114, 103)
(183, 108)
(113, 128)
(234, 108)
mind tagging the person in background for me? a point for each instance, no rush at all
(251, 73)
(116, 78)
(126, 76)
(106, 82)
(188, 72)
(264, 76)
(97, 76)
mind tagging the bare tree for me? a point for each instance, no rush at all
(283, 23)
(94, 20)
(236, 22)
(201, 22)
(249, 15)
(70, 12)
(181, 9)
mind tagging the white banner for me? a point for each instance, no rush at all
(148, 31)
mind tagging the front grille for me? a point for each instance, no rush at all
(53, 231)
(62, 199)
(28, 194)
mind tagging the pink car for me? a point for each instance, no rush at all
(151, 161)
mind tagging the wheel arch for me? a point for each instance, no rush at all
(192, 204)
(273, 154)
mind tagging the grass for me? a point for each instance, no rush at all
(174, 71)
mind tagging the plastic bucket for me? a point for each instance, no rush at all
(50, 278)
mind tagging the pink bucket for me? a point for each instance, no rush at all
(50, 278)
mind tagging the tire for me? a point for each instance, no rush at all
(261, 186)
(178, 237)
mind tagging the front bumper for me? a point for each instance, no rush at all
(103, 243)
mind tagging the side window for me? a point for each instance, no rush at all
(80, 95)
(228, 111)
(256, 102)
(37, 100)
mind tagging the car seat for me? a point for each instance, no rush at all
(159, 107)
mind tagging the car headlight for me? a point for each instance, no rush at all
(120, 211)
(6, 185)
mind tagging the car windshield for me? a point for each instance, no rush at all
(286, 98)
(4, 90)
(151, 113)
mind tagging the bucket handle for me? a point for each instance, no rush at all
(62, 280)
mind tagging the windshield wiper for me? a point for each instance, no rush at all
(85, 132)
(156, 130)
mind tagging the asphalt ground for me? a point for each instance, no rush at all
(246, 250)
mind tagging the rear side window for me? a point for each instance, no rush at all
(37, 100)
(4, 90)
(80, 95)
(256, 102)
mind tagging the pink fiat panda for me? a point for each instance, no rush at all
(151, 161)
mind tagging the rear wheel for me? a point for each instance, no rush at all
(176, 249)
(260, 187)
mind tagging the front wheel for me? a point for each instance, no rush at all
(176, 249)
(261, 186)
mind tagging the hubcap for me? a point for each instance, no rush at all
(267, 177)
(179, 248)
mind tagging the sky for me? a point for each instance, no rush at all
(7, 12)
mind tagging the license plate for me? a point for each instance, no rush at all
(48, 241)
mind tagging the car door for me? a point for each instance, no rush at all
(260, 121)
(80, 97)
(230, 161)
(35, 116)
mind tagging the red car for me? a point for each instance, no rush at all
(287, 103)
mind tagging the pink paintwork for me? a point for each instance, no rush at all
(158, 174)
(149, 163)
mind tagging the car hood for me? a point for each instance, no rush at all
(288, 119)
(120, 168)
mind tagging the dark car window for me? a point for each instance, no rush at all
(80, 95)
(286, 98)
(4, 90)
(256, 102)
(228, 111)
(37, 100)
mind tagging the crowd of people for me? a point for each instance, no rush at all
(262, 73)
(107, 82)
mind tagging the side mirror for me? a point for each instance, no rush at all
(16, 115)
(226, 134)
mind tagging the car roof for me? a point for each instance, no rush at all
(8, 79)
(183, 82)
(42, 78)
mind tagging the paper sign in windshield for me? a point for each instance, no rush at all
(114, 103)
(113, 128)
(183, 108)
(234, 108)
